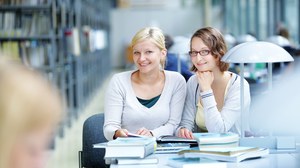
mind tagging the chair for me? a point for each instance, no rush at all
(92, 133)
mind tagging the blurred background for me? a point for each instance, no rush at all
(79, 44)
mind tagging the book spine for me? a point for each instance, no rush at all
(150, 148)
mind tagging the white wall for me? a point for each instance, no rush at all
(125, 23)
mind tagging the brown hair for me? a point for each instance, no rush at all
(214, 40)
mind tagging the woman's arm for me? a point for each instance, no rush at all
(189, 111)
(113, 107)
(223, 121)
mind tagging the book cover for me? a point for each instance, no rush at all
(130, 147)
(131, 141)
(238, 157)
(219, 145)
(136, 135)
(100, 145)
(223, 151)
(216, 138)
(230, 151)
(181, 162)
(73, 41)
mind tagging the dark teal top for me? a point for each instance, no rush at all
(150, 102)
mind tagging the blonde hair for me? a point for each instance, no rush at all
(155, 35)
(214, 40)
(28, 102)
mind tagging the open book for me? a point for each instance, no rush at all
(171, 138)
(173, 144)
(171, 147)
(235, 154)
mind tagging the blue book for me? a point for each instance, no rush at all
(216, 138)
(130, 147)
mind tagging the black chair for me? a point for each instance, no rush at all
(90, 157)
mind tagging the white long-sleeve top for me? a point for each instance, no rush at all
(123, 110)
(228, 119)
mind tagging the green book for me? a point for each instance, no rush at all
(236, 154)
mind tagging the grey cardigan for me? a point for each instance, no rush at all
(228, 119)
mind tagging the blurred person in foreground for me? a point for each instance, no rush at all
(213, 93)
(30, 109)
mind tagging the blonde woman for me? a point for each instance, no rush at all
(147, 101)
(30, 109)
(213, 93)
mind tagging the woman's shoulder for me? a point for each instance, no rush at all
(121, 76)
(124, 74)
(174, 75)
(236, 79)
(192, 80)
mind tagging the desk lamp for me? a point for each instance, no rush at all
(256, 52)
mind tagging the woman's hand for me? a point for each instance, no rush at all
(144, 131)
(185, 133)
(205, 80)
(121, 133)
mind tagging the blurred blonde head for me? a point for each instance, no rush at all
(155, 35)
(30, 109)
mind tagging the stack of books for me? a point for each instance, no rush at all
(214, 147)
(216, 140)
(173, 144)
(234, 154)
(129, 150)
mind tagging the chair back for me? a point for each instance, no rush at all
(92, 134)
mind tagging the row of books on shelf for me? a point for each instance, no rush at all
(25, 24)
(23, 2)
(32, 53)
(211, 148)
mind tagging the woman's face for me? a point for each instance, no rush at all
(147, 56)
(30, 150)
(203, 60)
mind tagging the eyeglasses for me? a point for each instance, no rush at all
(202, 53)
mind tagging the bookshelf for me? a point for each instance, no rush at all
(93, 65)
(37, 33)
(20, 7)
